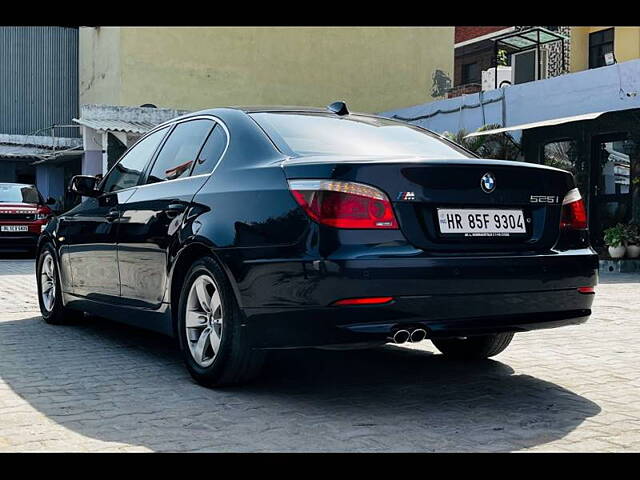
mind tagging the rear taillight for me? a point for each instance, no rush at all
(344, 204)
(574, 214)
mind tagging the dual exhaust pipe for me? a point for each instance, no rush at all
(414, 335)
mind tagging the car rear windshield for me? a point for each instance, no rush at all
(355, 135)
(18, 194)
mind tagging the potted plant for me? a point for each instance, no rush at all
(633, 240)
(615, 238)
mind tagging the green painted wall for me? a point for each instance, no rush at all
(99, 65)
(372, 68)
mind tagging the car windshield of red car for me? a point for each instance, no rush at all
(18, 194)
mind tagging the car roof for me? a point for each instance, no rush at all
(265, 109)
(281, 108)
(220, 111)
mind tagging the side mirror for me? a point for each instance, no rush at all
(50, 201)
(84, 185)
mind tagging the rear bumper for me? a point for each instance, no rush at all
(450, 296)
(473, 315)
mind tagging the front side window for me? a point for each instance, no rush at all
(128, 170)
(211, 152)
(319, 134)
(180, 151)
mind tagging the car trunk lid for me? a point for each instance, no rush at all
(419, 188)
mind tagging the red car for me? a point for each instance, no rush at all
(23, 215)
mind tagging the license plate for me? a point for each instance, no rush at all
(14, 228)
(481, 222)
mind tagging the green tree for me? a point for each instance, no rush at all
(500, 146)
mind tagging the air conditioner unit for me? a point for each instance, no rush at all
(489, 78)
(526, 68)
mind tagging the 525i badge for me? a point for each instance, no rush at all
(544, 199)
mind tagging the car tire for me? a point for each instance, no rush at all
(475, 347)
(53, 311)
(233, 361)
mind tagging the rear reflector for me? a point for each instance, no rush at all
(344, 204)
(586, 289)
(574, 214)
(364, 301)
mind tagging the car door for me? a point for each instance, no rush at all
(89, 231)
(152, 216)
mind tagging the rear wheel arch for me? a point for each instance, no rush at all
(187, 256)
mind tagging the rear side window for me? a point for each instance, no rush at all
(180, 151)
(128, 170)
(354, 135)
(213, 149)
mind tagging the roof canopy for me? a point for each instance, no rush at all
(527, 39)
(543, 123)
(114, 118)
(39, 147)
(116, 125)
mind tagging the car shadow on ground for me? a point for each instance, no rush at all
(115, 383)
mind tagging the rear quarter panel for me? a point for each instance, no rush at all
(245, 210)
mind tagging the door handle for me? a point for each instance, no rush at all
(112, 215)
(174, 209)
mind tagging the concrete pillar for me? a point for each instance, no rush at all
(92, 145)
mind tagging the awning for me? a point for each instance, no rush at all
(22, 151)
(41, 155)
(138, 127)
(527, 39)
(544, 123)
(60, 156)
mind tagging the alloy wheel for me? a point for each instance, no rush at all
(204, 320)
(48, 282)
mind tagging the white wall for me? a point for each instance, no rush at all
(616, 87)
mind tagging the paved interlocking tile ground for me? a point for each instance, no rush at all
(100, 386)
(17, 282)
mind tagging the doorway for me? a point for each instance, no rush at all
(611, 180)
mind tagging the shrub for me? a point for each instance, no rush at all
(615, 236)
(632, 234)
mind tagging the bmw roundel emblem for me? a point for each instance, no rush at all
(488, 182)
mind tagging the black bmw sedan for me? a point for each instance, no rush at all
(239, 230)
